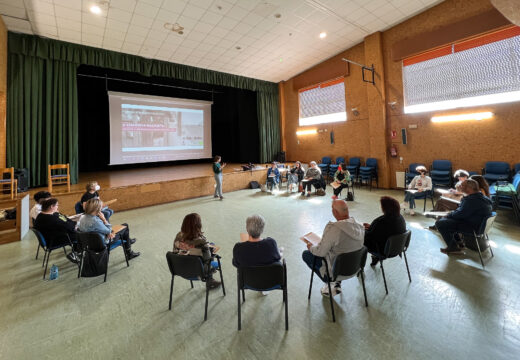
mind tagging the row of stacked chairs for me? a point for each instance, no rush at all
(361, 174)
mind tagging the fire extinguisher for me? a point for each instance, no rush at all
(393, 151)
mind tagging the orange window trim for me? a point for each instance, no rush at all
(443, 51)
(323, 85)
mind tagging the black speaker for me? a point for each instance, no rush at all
(280, 157)
(22, 175)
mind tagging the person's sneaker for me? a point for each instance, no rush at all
(448, 251)
(325, 290)
(215, 196)
(432, 227)
(404, 206)
(73, 258)
(213, 284)
(222, 198)
(308, 194)
(132, 241)
(265, 293)
(337, 287)
(412, 212)
(133, 254)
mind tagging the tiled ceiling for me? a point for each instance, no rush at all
(270, 40)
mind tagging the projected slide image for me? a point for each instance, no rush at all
(154, 128)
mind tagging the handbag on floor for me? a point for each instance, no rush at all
(350, 196)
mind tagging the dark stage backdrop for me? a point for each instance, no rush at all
(234, 120)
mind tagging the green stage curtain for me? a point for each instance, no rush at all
(42, 115)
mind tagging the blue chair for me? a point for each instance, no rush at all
(78, 207)
(368, 173)
(353, 167)
(334, 167)
(496, 171)
(262, 278)
(410, 173)
(48, 249)
(441, 173)
(516, 168)
(509, 199)
(324, 165)
(481, 238)
(191, 268)
(425, 195)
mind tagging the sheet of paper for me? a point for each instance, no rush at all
(436, 213)
(311, 237)
(75, 217)
(450, 199)
(335, 184)
(413, 191)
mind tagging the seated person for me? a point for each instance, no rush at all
(191, 240)
(39, 198)
(92, 192)
(312, 177)
(482, 184)
(342, 177)
(93, 220)
(273, 176)
(56, 228)
(295, 176)
(389, 224)
(473, 209)
(421, 183)
(255, 251)
(455, 194)
(342, 236)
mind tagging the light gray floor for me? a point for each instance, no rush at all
(452, 309)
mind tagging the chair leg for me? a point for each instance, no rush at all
(312, 277)
(243, 295)
(191, 282)
(46, 264)
(425, 198)
(330, 293)
(44, 256)
(221, 278)
(37, 252)
(206, 306)
(64, 251)
(363, 283)
(286, 309)
(384, 278)
(108, 262)
(490, 248)
(238, 304)
(171, 293)
(407, 269)
(479, 252)
(126, 255)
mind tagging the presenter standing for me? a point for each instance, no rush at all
(217, 169)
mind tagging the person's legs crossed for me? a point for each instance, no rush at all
(308, 258)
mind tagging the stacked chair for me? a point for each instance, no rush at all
(353, 167)
(368, 173)
(441, 173)
(507, 195)
(324, 165)
(496, 171)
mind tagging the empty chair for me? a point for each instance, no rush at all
(95, 254)
(324, 165)
(48, 249)
(410, 173)
(479, 241)
(345, 265)
(61, 177)
(395, 246)
(440, 172)
(516, 168)
(9, 184)
(353, 167)
(262, 278)
(495, 171)
(334, 167)
(191, 267)
(368, 173)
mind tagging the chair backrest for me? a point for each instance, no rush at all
(371, 162)
(349, 264)
(487, 224)
(339, 160)
(412, 167)
(40, 238)
(185, 266)
(91, 240)
(262, 277)
(497, 167)
(58, 166)
(9, 171)
(326, 160)
(517, 168)
(443, 165)
(354, 161)
(396, 244)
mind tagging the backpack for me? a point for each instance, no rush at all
(254, 185)
(350, 196)
(94, 263)
(320, 192)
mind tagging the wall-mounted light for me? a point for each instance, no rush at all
(355, 111)
(306, 132)
(463, 117)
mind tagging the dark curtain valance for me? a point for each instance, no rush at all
(42, 111)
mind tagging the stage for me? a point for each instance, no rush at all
(135, 188)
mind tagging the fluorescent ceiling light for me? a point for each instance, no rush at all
(466, 102)
(306, 132)
(321, 119)
(323, 35)
(95, 9)
(463, 117)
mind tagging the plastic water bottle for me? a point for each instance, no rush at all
(54, 272)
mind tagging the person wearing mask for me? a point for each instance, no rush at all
(295, 176)
(312, 177)
(92, 193)
(341, 177)
(273, 176)
(418, 185)
(217, 170)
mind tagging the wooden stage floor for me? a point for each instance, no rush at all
(157, 185)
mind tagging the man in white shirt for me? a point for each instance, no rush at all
(342, 236)
(39, 197)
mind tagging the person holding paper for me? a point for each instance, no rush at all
(312, 177)
(93, 220)
(92, 193)
(295, 176)
(419, 184)
(255, 251)
(191, 241)
(473, 209)
(273, 176)
(217, 170)
(341, 180)
(389, 224)
(39, 198)
(341, 236)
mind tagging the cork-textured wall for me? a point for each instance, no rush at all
(467, 144)
(3, 89)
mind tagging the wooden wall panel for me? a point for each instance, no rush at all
(3, 90)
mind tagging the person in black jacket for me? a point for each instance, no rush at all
(473, 209)
(390, 223)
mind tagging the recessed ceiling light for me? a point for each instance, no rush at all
(323, 35)
(174, 27)
(94, 9)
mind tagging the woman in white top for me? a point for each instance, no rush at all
(421, 183)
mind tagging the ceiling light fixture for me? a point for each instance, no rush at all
(94, 9)
(174, 27)
(323, 35)
(306, 132)
(462, 117)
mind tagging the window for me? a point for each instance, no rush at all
(324, 103)
(480, 71)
